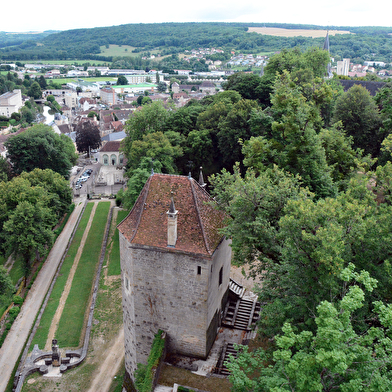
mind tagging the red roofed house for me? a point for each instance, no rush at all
(175, 267)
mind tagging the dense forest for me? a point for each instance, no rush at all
(303, 170)
(171, 38)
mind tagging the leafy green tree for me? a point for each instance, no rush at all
(151, 118)
(292, 142)
(122, 80)
(28, 231)
(137, 179)
(343, 160)
(161, 87)
(361, 119)
(333, 357)
(35, 91)
(87, 137)
(5, 171)
(6, 286)
(42, 82)
(60, 194)
(244, 83)
(234, 128)
(40, 147)
(157, 146)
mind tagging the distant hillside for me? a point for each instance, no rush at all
(17, 39)
(173, 38)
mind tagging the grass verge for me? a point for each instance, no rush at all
(72, 319)
(54, 300)
(113, 249)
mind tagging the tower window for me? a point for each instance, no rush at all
(199, 270)
(220, 276)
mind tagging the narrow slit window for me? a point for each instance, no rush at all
(220, 276)
(199, 270)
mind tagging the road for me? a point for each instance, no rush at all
(17, 336)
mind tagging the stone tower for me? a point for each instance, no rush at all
(175, 267)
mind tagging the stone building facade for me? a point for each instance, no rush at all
(175, 269)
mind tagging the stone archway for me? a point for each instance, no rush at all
(113, 159)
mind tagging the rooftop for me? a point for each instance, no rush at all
(198, 221)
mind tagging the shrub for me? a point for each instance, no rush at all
(17, 300)
(144, 373)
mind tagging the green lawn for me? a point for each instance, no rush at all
(116, 50)
(46, 320)
(17, 270)
(72, 319)
(113, 249)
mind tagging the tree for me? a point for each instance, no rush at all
(334, 357)
(162, 87)
(60, 194)
(360, 117)
(244, 83)
(29, 230)
(6, 285)
(137, 179)
(35, 91)
(87, 136)
(157, 146)
(122, 81)
(150, 118)
(42, 82)
(40, 147)
(5, 170)
(292, 142)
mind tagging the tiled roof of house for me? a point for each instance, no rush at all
(112, 146)
(198, 223)
(371, 86)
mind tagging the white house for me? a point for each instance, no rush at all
(10, 102)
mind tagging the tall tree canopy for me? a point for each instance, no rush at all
(40, 147)
(88, 136)
(361, 119)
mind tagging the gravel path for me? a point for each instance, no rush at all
(17, 336)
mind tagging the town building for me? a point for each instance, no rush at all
(10, 102)
(343, 67)
(175, 267)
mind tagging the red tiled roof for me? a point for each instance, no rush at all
(198, 223)
(112, 146)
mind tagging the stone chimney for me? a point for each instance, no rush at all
(172, 224)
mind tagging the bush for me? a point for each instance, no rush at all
(119, 197)
(144, 373)
(17, 300)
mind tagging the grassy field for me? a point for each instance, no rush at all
(279, 32)
(46, 320)
(72, 319)
(113, 249)
(123, 50)
(116, 50)
(107, 321)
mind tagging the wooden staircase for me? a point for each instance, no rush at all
(228, 350)
(240, 313)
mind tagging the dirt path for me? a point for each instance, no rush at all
(17, 336)
(103, 376)
(67, 287)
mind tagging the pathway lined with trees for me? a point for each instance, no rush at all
(17, 336)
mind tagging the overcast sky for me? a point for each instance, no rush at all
(40, 15)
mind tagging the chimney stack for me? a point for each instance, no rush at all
(172, 224)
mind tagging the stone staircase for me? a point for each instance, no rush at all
(228, 350)
(240, 312)
(236, 288)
